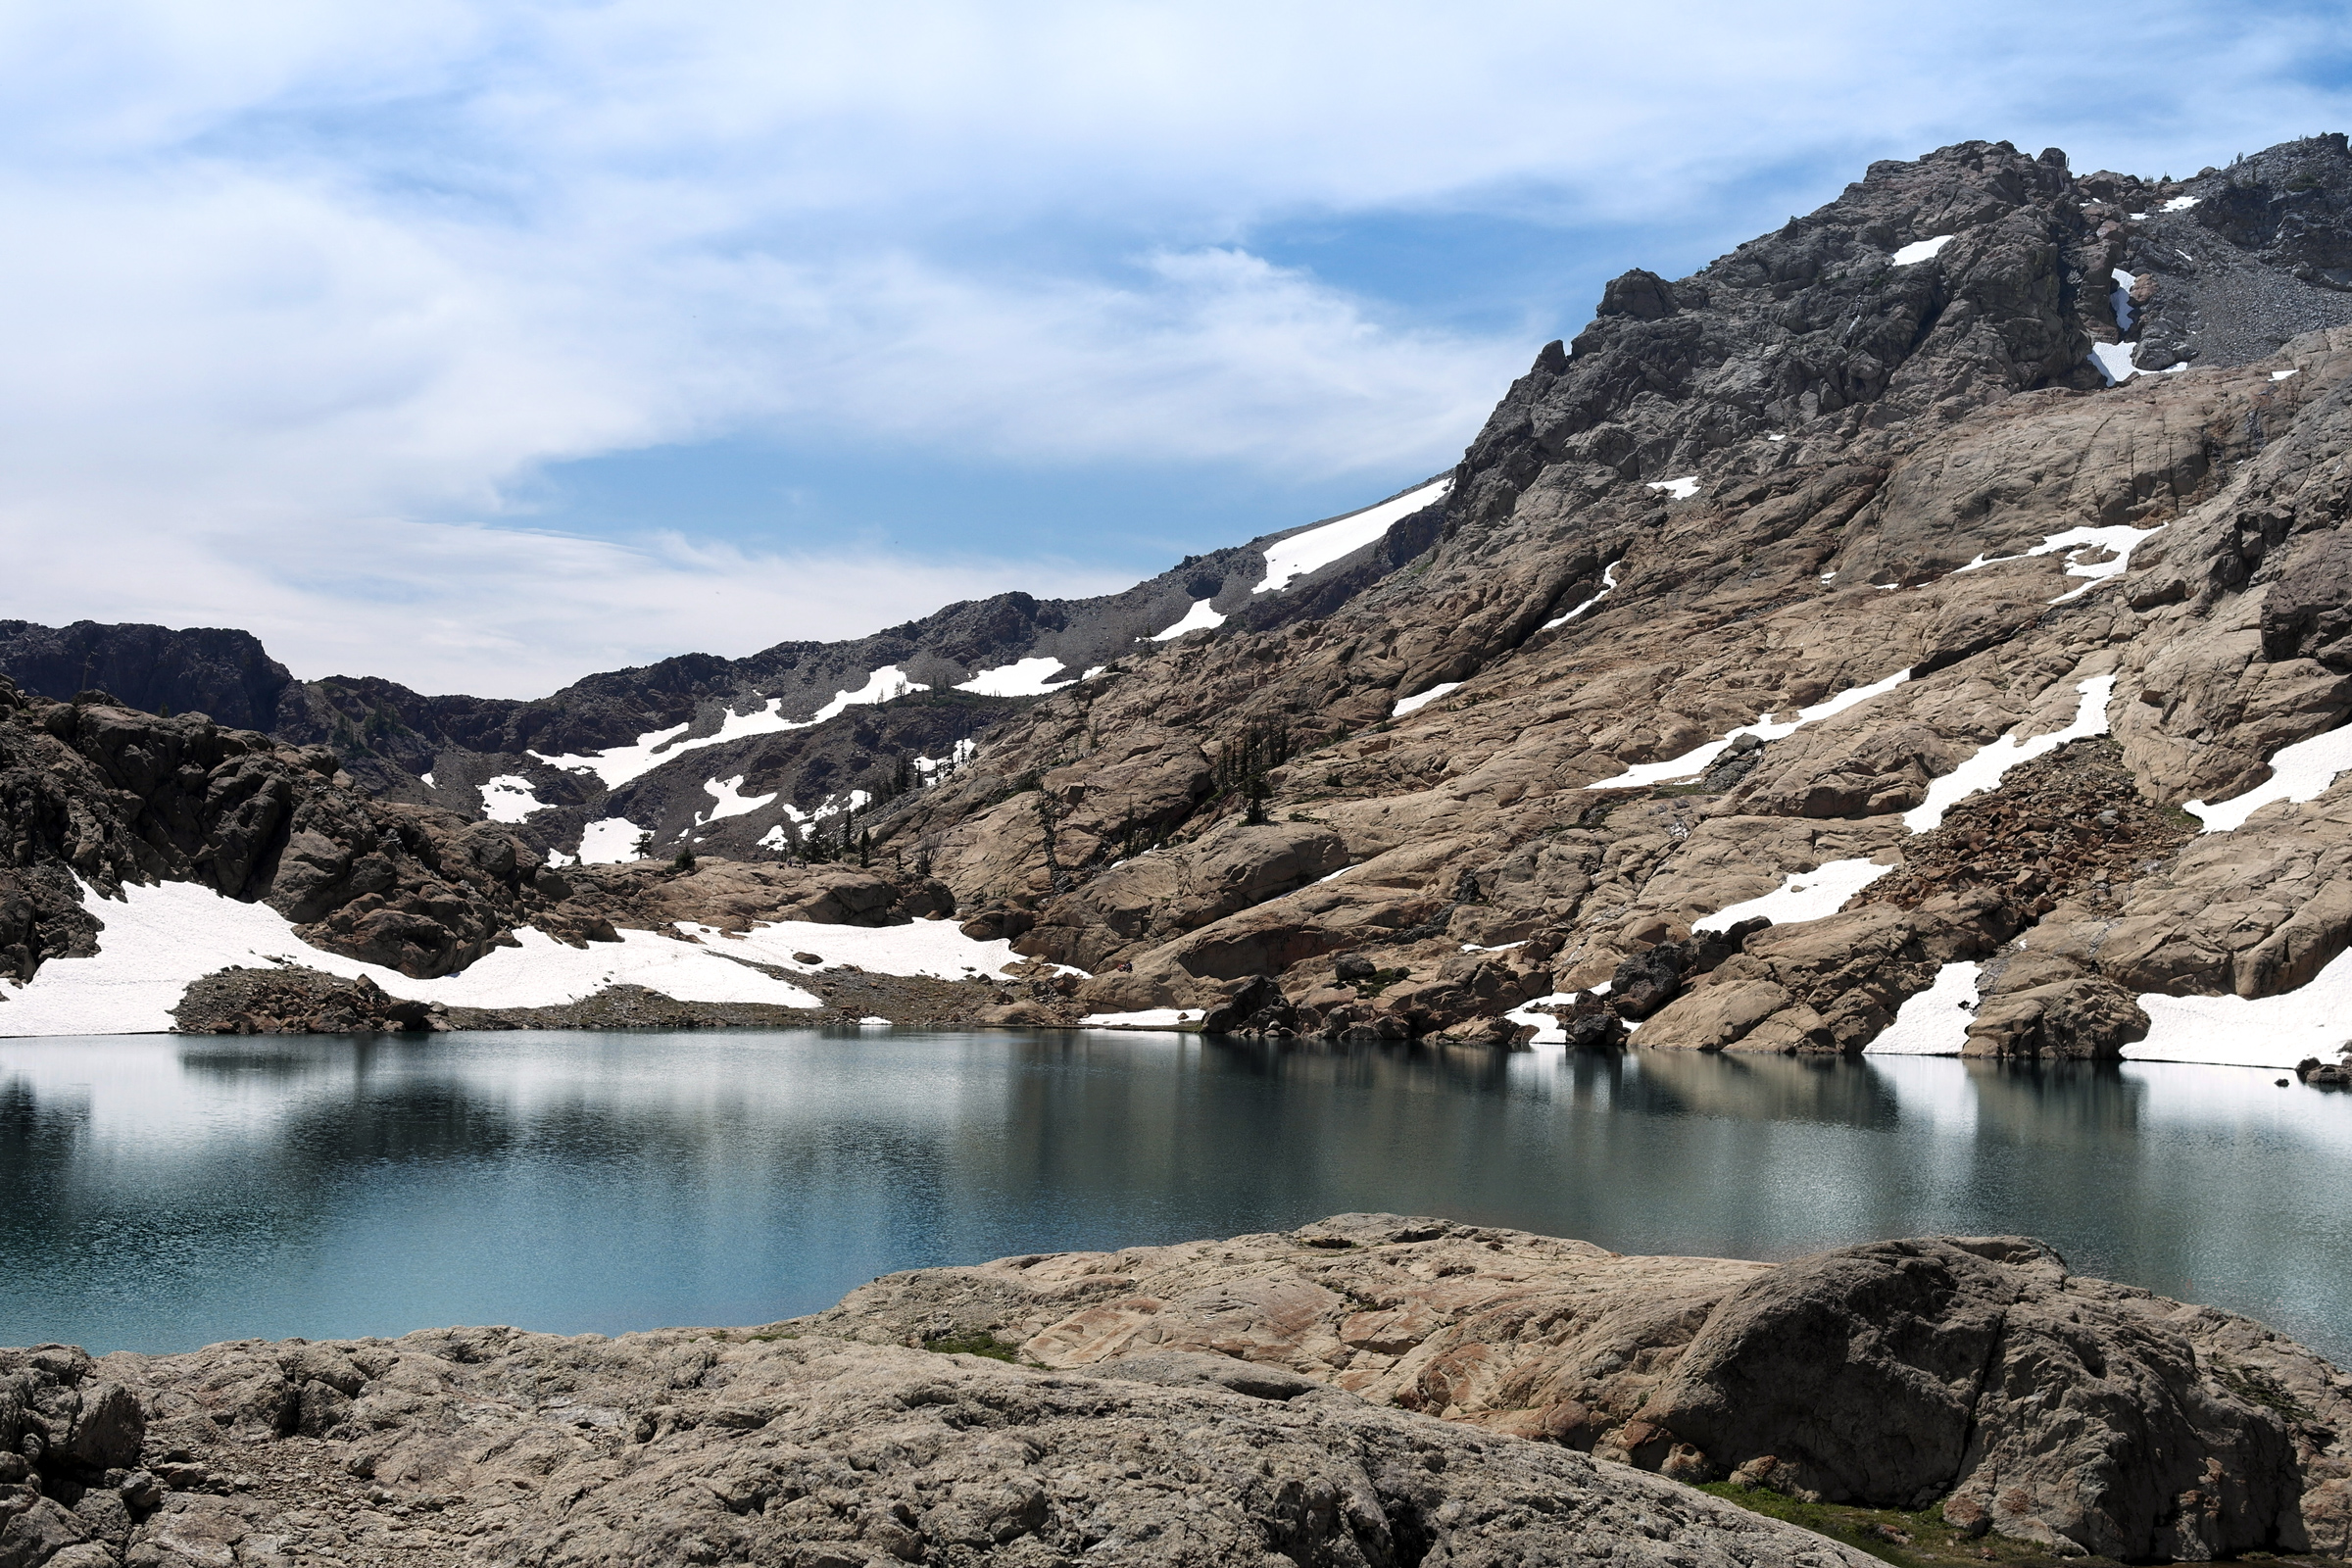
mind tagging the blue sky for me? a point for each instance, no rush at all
(483, 346)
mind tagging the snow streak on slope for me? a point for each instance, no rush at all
(1802, 896)
(1644, 774)
(1921, 249)
(619, 765)
(1197, 618)
(1413, 703)
(1985, 769)
(1024, 677)
(1289, 560)
(1609, 584)
(2299, 772)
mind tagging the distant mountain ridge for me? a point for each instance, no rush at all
(798, 723)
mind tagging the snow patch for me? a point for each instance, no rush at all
(2299, 772)
(1550, 1031)
(1197, 618)
(507, 798)
(1776, 438)
(1696, 762)
(775, 838)
(559, 858)
(1934, 1022)
(2121, 297)
(2179, 203)
(935, 947)
(2120, 537)
(2266, 1032)
(1681, 489)
(610, 842)
(1921, 249)
(1985, 769)
(2281, 375)
(1024, 677)
(1411, 704)
(2114, 361)
(163, 939)
(1609, 584)
(1802, 896)
(429, 781)
(1148, 1019)
(619, 765)
(1289, 560)
(732, 802)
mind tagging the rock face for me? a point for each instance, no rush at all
(488, 1445)
(2074, 1414)
(1266, 1399)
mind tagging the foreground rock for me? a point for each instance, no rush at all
(489, 1445)
(2074, 1414)
(1267, 1399)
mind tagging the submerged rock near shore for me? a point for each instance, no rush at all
(1368, 1390)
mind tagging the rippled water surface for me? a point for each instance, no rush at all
(160, 1192)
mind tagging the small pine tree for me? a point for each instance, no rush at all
(684, 861)
(1257, 793)
(645, 845)
(865, 848)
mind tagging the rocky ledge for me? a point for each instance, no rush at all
(1369, 1390)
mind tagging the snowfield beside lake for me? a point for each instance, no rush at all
(163, 939)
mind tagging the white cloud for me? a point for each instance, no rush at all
(279, 272)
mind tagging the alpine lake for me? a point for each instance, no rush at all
(160, 1192)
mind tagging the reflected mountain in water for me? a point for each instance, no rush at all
(165, 1193)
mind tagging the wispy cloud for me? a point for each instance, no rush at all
(282, 272)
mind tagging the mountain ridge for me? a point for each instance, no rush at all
(1894, 470)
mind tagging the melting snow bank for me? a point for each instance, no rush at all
(2299, 772)
(1197, 618)
(164, 939)
(610, 842)
(1934, 1022)
(1802, 896)
(1609, 584)
(1985, 769)
(1550, 1031)
(1920, 250)
(2274, 1031)
(1681, 489)
(1408, 704)
(1289, 560)
(1644, 774)
(619, 765)
(2267, 1032)
(1148, 1019)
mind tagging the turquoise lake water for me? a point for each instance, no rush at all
(159, 1193)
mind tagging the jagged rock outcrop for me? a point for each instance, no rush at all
(2074, 1414)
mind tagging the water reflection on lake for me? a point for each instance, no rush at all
(161, 1192)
